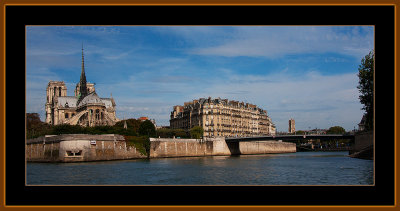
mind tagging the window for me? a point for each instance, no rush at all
(97, 114)
(73, 153)
(59, 91)
(66, 115)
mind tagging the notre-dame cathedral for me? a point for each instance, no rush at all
(86, 108)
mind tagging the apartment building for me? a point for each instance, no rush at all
(222, 117)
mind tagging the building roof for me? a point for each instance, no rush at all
(91, 98)
(107, 101)
(67, 101)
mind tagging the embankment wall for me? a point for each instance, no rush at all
(80, 147)
(363, 140)
(163, 147)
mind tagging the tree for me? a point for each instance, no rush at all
(67, 129)
(366, 87)
(196, 132)
(147, 128)
(35, 127)
(336, 130)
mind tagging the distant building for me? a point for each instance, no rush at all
(143, 118)
(361, 125)
(86, 108)
(221, 117)
(292, 128)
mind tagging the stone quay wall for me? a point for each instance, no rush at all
(79, 147)
(83, 147)
(363, 140)
(167, 147)
(266, 147)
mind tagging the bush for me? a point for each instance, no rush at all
(196, 132)
(67, 129)
(141, 143)
(170, 133)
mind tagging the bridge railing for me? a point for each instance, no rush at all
(291, 137)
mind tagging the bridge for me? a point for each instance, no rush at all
(289, 137)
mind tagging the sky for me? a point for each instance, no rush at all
(308, 73)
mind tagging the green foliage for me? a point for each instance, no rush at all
(366, 87)
(181, 133)
(141, 143)
(147, 128)
(336, 130)
(169, 133)
(35, 127)
(196, 132)
(99, 130)
(132, 124)
(67, 129)
(131, 130)
(300, 132)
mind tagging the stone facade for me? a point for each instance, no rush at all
(86, 108)
(292, 128)
(222, 118)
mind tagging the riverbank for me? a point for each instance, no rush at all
(84, 147)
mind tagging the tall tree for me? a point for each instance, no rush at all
(147, 128)
(335, 130)
(35, 127)
(366, 87)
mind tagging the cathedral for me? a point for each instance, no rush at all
(86, 108)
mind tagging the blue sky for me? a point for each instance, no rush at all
(308, 73)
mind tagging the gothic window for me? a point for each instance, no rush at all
(59, 91)
(97, 114)
(66, 115)
(54, 93)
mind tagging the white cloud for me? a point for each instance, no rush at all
(314, 99)
(274, 42)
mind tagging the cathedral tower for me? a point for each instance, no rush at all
(55, 89)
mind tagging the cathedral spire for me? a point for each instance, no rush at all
(82, 81)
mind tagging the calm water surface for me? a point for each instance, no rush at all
(300, 168)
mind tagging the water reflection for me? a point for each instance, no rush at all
(301, 168)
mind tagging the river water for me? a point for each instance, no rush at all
(300, 168)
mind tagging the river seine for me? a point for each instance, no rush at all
(300, 168)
